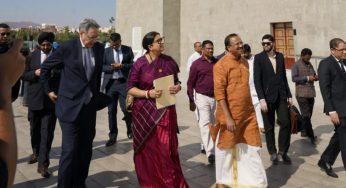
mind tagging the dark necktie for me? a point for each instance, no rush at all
(88, 64)
(342, 66)
(118, 57)
(89, 69)
(117, 73)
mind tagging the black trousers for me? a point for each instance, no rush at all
(117, 91)
(280, 106)
(337, 143)
(42, 126)
(3, 173)
(306, 106)
(77, 139)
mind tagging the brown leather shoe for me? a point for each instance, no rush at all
(32, 159)
(44, 171)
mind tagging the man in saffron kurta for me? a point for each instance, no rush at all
(238, 142)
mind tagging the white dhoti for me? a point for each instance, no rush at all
(240, 167)
(259, 117)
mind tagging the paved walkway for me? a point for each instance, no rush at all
(113, 166)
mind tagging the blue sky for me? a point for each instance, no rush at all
(59, 12)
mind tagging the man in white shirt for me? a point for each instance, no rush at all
(117, 62)
(193, 57)
(250, 59)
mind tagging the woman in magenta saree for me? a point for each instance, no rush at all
(155, 140)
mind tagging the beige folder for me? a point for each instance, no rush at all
(166, 98)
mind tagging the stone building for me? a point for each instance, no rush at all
(295, 24)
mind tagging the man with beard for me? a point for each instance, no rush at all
(238, 142)
(41, 109)
(5, 32)
(201, 81)
(304, 75)
(274, 95)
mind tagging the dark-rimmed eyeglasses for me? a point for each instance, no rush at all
(5, 33)
(160, 40)
(266, 43)
(340, 50)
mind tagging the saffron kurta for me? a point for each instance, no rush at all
(231, 82)
(237, 160)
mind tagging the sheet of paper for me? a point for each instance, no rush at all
(166, 98)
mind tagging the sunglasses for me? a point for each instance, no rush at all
(7, 34)
(266, 43)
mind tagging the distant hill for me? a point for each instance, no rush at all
(14, 25)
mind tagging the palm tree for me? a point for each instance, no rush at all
(111, 21)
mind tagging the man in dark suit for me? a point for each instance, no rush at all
(332, 79)
(117, 62)
(41, 113)
(274, 95)
(77, 100)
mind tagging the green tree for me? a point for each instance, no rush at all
(111, 21)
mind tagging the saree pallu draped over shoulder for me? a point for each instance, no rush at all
(145, 115)
(155, 140)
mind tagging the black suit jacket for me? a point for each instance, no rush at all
(333, 86)
(108, 59)
(37, 99)
(73, 83)
(270, 85)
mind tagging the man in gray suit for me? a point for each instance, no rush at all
(117, 62)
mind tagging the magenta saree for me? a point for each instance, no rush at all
(155, 140)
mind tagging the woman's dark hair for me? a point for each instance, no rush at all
(148, 39)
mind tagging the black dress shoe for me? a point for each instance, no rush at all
(33, 159)
(327, 168)
(80, 186)
(111, 142)
(274, 158)
(313, 140)
(203, 151)
(285, 158)
(303, 134)
(44, 172)
(211, 159)
(129, 135)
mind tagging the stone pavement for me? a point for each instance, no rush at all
(113, 166)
